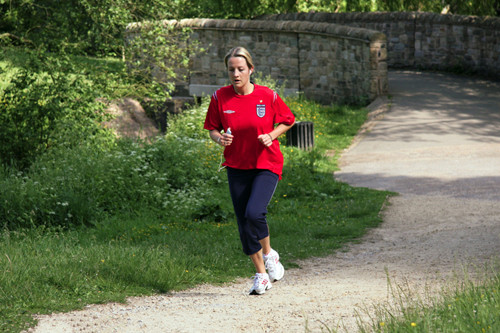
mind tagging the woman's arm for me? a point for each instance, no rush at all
(268, 138)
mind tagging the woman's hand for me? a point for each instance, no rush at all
(266, 139)
(225, 139)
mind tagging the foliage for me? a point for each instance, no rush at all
(243, 9)
(158, 212)
(266, 80)
(338, 121)
(97, 27)
(157, 58)
(50, 99)
(74, 185)
(84, 26)
(71, 187)
(479, 8)
(45, 105)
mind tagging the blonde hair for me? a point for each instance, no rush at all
(239, 51)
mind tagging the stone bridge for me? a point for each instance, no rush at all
(342, 57)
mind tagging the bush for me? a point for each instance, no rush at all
(97, 27)
(75, 185)
(78, 186)
(45, 105)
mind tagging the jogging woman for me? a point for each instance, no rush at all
(252, 118)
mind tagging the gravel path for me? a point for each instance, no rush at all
(437, 143)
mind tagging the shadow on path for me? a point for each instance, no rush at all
(441, 135)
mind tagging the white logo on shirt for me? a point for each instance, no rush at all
(229, 111)
(261, 110)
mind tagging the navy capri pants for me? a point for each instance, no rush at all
(251, 191)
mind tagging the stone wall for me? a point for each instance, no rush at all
(426, 40)
(327, 62)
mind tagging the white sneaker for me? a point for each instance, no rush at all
(261, 283)
(274, 268)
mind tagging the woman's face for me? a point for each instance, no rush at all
(239, 73)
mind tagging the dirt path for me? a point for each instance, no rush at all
(438, 145)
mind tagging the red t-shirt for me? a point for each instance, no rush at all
(249, 116)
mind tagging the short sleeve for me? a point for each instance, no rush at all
(212, 119)
(283, 114)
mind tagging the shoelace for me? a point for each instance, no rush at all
(270, 268)
(256, 282)
(270, 264)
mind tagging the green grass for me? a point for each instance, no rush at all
(465, 305)
(48, 270)
(54, 270)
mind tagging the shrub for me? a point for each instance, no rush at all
(44, 106)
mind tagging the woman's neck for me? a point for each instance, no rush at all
(245, 90)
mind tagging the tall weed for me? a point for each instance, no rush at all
(465, 305)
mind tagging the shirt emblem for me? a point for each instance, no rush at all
(261, 110)
(229, 111)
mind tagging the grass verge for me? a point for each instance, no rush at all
(464, 305)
